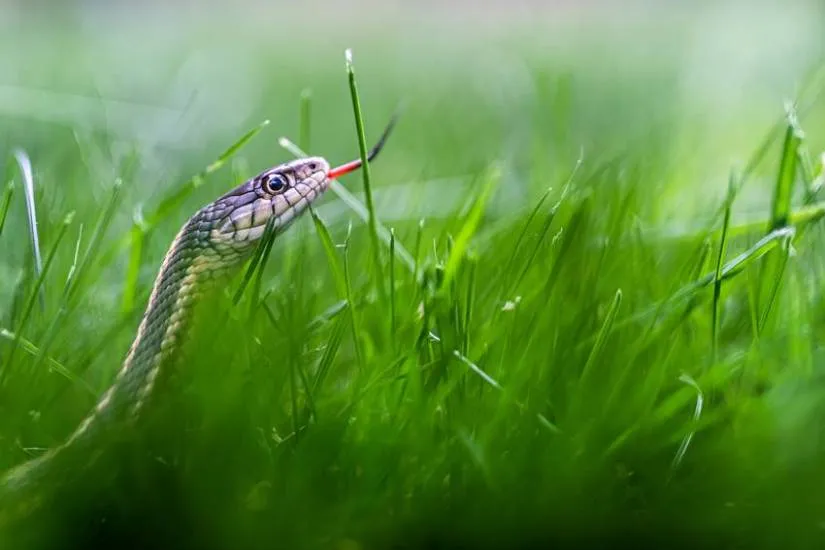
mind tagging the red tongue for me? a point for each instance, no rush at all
(351, 166)
(339, 171)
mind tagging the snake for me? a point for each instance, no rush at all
(210, 246)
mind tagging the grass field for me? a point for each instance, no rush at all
(599, 314)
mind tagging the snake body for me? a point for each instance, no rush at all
(215, 241)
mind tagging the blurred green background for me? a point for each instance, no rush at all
(575, 438)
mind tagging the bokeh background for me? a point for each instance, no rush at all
(656, 101)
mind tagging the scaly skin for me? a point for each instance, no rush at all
(212, 244)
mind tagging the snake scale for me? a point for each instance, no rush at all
(209, 247)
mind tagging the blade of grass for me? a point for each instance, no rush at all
(535, 210)
(507, 396)
(523, 233)
(336, 336)
(818, 179)
(36, 292)
(802, 216)
(392, 282)
(781, 206)
(332, 256)
(96, 240)
(73, 268)
(266, 244)
(477, 370)
(55, 323)
(513, 287)
(717, 283)
(356, 206)
(133, 268)
(697, 413)
(416, 265)
(601, 339)
(779, 273)
(59, 368)
(470, 225)
(327, 315)
(730, 270)
(266, 240)
(365, 171)
(807, 172)
(469, 298)
(772, 271)
(5, 204)
(311, 411)
(812, 178)
(25, 166)
(356, 342)
(773, 133)
(716, 376)
(293, 397)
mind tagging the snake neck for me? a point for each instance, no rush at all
(190, 268)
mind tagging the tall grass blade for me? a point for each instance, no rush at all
(776, 282)
(333, 344)
(73, 268)
(55, 365)
(717, 283)
(356, 337)
(781, 206)
(469, 302)
(57, 319)
(477, 370)
(266, 241)
(331, 254)
(470, 225)
(35, 293)
(537, 207)
(133, 269)
(416, 261)
(96, 240)
(735, 266)
(5, 204)
(25, 166)
(601, 339)
(392, 282)
(372, 219)
(697, 413)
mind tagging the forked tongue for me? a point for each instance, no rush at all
(351, 166)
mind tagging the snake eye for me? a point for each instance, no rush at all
(274, 183)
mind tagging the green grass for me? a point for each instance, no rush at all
(557, 308)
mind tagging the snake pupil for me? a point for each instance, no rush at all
(275, 183)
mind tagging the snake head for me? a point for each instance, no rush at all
(277, 195)
(236, 221)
